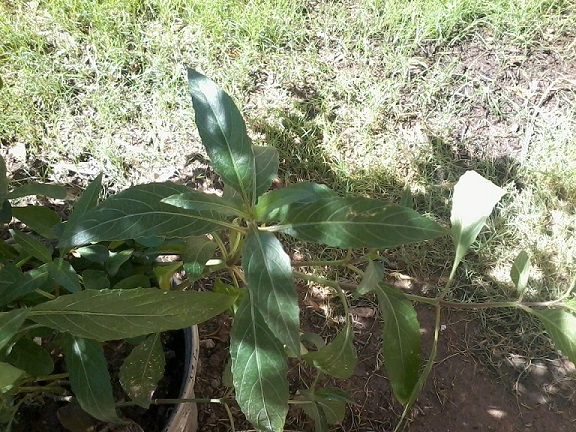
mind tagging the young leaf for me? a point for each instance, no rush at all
(197, 251)
(39, 219)
(266, 167)
(520, 272)
(357, 222)
(273, 205)
(10, 323)
(33, 247)
(89, 377)
(223, 133)
(164, 274)
(9, 375)
(196, 200)
(339, 357)
(142, 370)
(271, 285)
(400, 340)
(373, 275)
(561, 327)
(96, 280)
(259, 368)
(48, 190)
(30, 357)
(64, 274)
(117, 314)
(137, 213)
(116, 259)
(473, 200)
(87, 201)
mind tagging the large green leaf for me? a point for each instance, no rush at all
(259, 368)
(400, 340)
(39, 219)
(561, 327)
(15, 284)
(49, 190)
(266, 167)
(64, 274)
(274, 205)
(473, 200)
(137, 213)
(271, 285)
(196, 200)
(10, 323)
(520, 272)
(30, 357)
(223, 133)
(142, 369)
(9, 375)
(117, 314)
(197, 251)
(357, 222)
(87, 201)
(339, 357)
(32, 246)
(89, 377)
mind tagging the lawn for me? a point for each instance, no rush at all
(380, 98)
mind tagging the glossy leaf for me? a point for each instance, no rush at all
(39, 219)
(95, 279)
(10, 323)
(401, 343)
(271, 285)
(142, 370)
(14, 284)
(561, 327)
(89, 377)
(94, 253)
(473, 200)
(266, 167)
(33, 247)
(339, 357)
(357, 222)
(137, 213)
(197, 251)
(223, 134)
(9, 376)
(373, 275)
(259, 368)
(65, 275)
(116, 314)
(196, 200)
(520, 272)
(274, 205)
(31, 358)
(116, 259)
(88, 200)
(48, 190)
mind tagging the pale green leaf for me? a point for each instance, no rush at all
(197, 251)
(561, 327)
(259, 368)
(117, 314)
(401, 343)
(373, 275)
(137, 213)
(9, 376)
(39, 219)
(266, 167)
(64, 274)
(30, 357)
(520, 272)
(49, 190)
(10, 323)
(165, 273)
(274, 205)
(473, 200)
(33, 247)
(271, 285)
(223, 134)
(142, 370)
(357, 222)
(89, 377)
(339, 357)
(201, 201)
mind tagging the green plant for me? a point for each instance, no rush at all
(237, 233)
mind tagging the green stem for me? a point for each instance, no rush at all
(221, 246)
(45, 294)
(52, 377)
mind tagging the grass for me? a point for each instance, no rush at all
(368, 96)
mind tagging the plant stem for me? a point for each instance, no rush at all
(52, 377)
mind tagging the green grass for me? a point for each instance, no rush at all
(367, 96)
